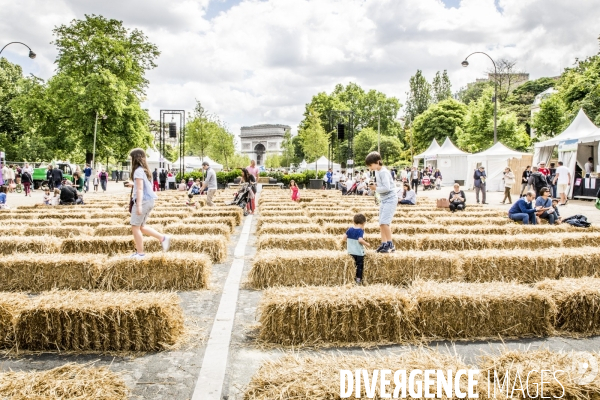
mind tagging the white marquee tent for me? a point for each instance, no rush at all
(451, 161)
(495, 160)
(322, 164)
(193, 163)
(154, 159)
(429, 154)
(575, 145)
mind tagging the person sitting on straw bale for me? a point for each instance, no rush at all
(56, 199)
(355, 240)
(543, 205)
(69, 195)
(182, 186)
(3, 191)
(523, 209)
(143, 198)
(409, 197)
(195, 188)
(558, 218)
(457, 199)
(362, 189)
(189, 202)
(47, 197)
(388, 200)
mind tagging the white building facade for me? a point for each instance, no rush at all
(258, 141)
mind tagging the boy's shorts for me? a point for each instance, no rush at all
(387, 209)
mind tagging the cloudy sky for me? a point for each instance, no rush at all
(260, 61)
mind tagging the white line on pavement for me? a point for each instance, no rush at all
(212, 373)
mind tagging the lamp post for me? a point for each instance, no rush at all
(31, 53)
(465, 63)
(378, 133)
(94, 151)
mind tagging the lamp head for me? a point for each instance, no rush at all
(465, 63)
(31, 54)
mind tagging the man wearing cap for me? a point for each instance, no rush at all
(210, 183)
(543, 170)
(479, 176)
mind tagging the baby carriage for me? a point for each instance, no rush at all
(241, 198)
(426, 182)
(352, 189)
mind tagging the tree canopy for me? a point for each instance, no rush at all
(437, 122)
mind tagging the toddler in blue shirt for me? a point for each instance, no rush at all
(354, 237)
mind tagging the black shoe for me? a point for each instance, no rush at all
(386, 249)
(379, 248)
(392, 248)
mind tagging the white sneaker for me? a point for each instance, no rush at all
(166, 243)
(138, 257)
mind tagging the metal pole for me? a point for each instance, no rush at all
(378, 133)
(465, 64)
(94, 151)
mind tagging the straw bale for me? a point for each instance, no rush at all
(198, 229)
(458, 219)
(404, 267)
(578, 303)
(279, 213)
(511, 265)
(214, 246)
(281, 220)
(8, 215)
(318, 377)
(313, 315)
(158, 271)
(481, 310)
(109, 214)
(336, 219)
(10, 305)
(112, 230)
(171, 214)
(564, 366)
(222, 211)
(340, 229)
(69, 381)
(297, 242)
(157, 221)
(22, 272)
(229, 221)
(56, 231)
(61, 215)
(288, 229)
(577, 262)
(100, 321)
(311, 267)
(26, 244)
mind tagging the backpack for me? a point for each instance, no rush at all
(578, 220)
(539, 180)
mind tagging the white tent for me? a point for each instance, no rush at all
(494, 159)
(191, 163)
(322, 164)
(154, 160)
(429, 154)
(451, 161)
(575, 145)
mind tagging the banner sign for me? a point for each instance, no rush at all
(568, 145)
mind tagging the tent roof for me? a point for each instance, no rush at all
(196, 162)
(499, 150)
(581, 127)
(154, 156)
(430, 150)
(449, 149)
(322, 161)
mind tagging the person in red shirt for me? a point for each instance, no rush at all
(542, 169)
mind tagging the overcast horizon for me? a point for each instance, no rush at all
(252, 62)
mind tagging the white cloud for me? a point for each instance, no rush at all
(261, 61)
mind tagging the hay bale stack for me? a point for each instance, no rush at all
(578, 303)
(158, 271)
(318, 377)
(113, 230)
(26, 244)
(311, 267)
(458, 219)
(287, 229)
(109, 214)
(281, 213)
(311, 315)
(229, 221)
(214, 246)
(511, 265)
(235, 212)
(56, 231)
(92, 222)
(60, 215)
(577, 262)
(402, 268)
(481, 310)
(156, 221)
(10, 306)
(282, 220)
(295, 242)
(22, 272)
(100, 321)
(340, 229)
(67, 382)
(564, 366)
(198, 229)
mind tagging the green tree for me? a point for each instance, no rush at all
(273, 161)
(390, 149)
(222, 144)
(287, 146)
(313, 137)
(441, 87)
(299, 155)
(440, 120)
(521, 99)
(579, 87)
(198, 131)
(239, 160)
(549, 121)
(473, 91)
(418, 96)
(363, 143)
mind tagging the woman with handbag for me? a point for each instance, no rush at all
(141, 204)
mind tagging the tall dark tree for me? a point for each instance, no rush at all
(441, 87)
(418, 97)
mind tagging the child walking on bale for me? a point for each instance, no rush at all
(354, 238)
(386, 188)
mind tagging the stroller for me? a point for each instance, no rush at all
(352, 190)
(241, 198)
(426, 182)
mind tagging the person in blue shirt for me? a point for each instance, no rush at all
(523, 210)
(329, 176)
(3, 191)
(543, 205)
(356, 243)
(87, 174)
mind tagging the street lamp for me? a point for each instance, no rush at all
(465, 63)
(31, 53)
(94, 151)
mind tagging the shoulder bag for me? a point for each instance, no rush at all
(131, 201)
